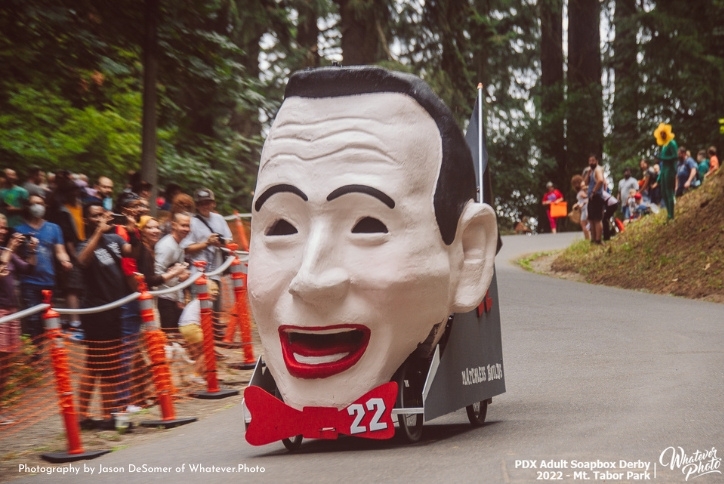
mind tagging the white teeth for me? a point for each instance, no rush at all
(322, 331)
(319, 360)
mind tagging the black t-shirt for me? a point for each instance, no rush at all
(105, 283)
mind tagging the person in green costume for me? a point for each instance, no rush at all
(668, 156)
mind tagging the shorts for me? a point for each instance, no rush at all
(70, 281)
(102, 327)
(596, 206)
(192, 333)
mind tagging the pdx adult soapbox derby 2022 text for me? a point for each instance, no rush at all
(673, 461)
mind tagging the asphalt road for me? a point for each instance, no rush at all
(594, 376)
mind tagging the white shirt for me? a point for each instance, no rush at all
(213, 256)
(168, 252)
(191, 313)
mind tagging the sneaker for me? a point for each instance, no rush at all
(74, 334)
(133, 409)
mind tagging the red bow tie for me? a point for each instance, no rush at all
(370, 417)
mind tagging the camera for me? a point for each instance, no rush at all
(119, 219)
(222, 240)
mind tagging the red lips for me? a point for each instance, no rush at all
(322, 351)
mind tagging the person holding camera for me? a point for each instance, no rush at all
(101, 259)
(10, 266)
(50, 248)
(209, 232)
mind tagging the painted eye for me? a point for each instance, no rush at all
(281, 227)
(369, 225)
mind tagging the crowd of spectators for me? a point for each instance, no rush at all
(647, 194)
(636, 196)
(59, 233)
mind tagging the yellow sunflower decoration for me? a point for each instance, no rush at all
(663, 134)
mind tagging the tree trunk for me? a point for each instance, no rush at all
(625, 101)
(362, 29)
(308, 32)
(150, 72)
(247, 35)
(585, 113)
(552, 142)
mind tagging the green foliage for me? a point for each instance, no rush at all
(20, 374)
(679, 74)
(41, 128)
(70, 92)
(70, 82)
(454, 46)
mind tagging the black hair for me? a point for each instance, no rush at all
(33, 171)
(456, 182)
(87, 206)
(171, 189)
(125, 198)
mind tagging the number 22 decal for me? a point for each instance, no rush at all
(358, 411)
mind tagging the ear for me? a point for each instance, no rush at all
(478, 234)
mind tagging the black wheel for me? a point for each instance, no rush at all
(409, 381)
(293, 444)
(411, 426)
(477, 412)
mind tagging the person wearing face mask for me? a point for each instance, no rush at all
(50, 249)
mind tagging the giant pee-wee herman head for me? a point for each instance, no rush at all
(365, 232)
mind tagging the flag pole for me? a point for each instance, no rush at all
(480, 141)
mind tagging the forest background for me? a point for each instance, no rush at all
(561, 79)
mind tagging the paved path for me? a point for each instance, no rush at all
(593, 375)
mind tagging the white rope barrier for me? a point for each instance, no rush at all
(235, 216)
(115, 304)
(24, 313)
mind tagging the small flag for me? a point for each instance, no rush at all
(475, 137)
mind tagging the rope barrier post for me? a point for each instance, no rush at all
(155, 343)
(240, 230)
(207, 327)
(234, 317)
(238, 276)
(61, 369)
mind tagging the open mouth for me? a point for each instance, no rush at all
(322, 351)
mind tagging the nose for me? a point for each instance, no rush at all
(319, 280)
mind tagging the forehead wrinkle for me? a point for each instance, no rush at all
(306, 132)
(390, 142)
(326, 125)
(400, 128)
(373, 156)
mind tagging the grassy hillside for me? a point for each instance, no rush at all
(684, 257)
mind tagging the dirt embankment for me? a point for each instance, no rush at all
(683, 257)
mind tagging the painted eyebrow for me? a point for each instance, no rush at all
(278, 189)
(381, 196)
